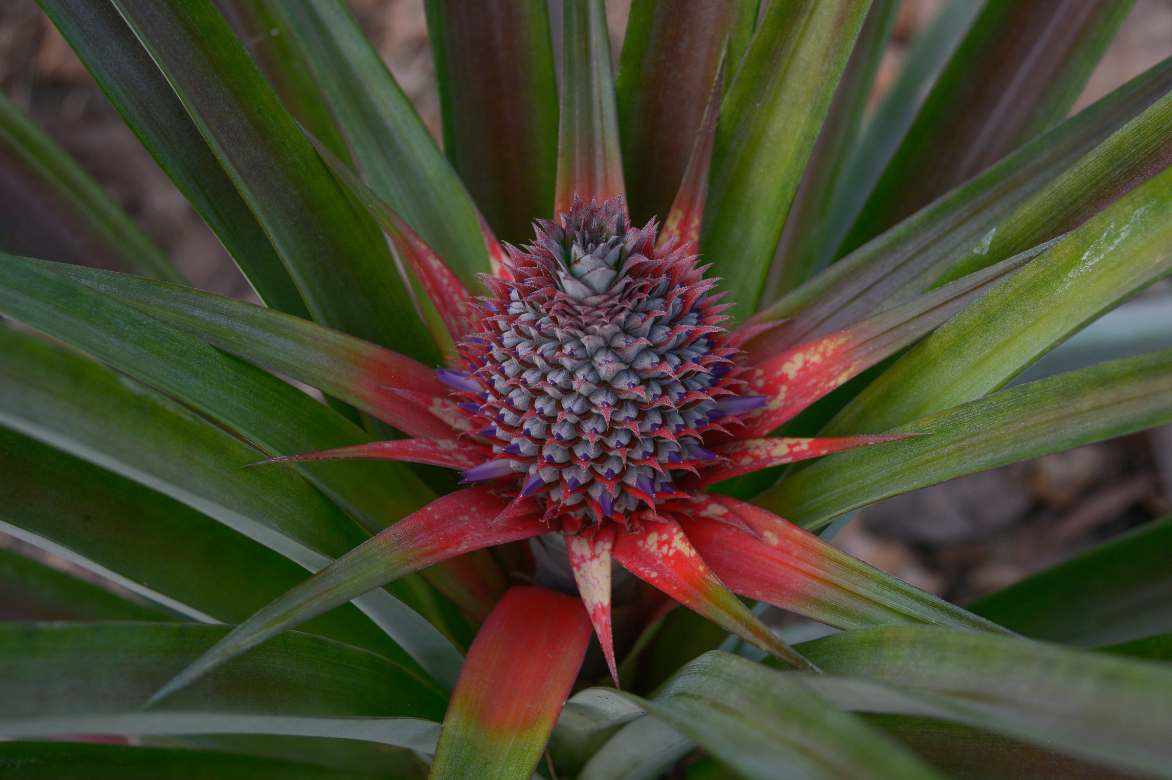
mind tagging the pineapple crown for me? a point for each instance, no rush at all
(599, 367)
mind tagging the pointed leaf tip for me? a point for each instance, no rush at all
(590, 559)
(589, 156)
(448, 527)
(663, 557)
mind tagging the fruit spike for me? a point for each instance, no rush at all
(598, 368)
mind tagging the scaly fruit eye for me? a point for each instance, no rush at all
(600, 366)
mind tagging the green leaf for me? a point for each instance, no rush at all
(803, 248)
(71, 678)
(1051, 185)
(1108, 709)
(31, 589)
(338, 364)
(670, 59)
(966, 752)
(54, 209)
(506, 701)
(1119, 591)
(500, 122)
(389, 142)
(270, 414)
(1106, 260)
(458, 523)
(864, 162)
(81, 761)
(150, 544)
(141, 94)
(274, 49)
(286, 185)
(767, 725)
(589, 718)
(1023, 422)
(1017, 73)
(590, 162)
(641, 750)
(769, 122)
(273, 416)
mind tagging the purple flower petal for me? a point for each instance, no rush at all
(458, 380)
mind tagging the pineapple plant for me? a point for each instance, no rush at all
(529, 431)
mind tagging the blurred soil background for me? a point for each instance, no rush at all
(959, 540)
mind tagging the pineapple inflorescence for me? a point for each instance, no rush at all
(600, 366)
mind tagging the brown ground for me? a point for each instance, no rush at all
(961, 539)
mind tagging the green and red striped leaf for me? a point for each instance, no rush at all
(1109, 258)
(1016, 74)
(671, 55)
(662, 556)
(447, 453)
(515, 681)
(750, 455)
(342, 366)
(1027, 421)
(391, 146)
(441, 287)
(590, 162)
(778, 562)
(685, 220)
(140, 93)
(280, 176)
(769, 122)
(1050, 185)
(494, 65)
(791, 380)
(452, 525)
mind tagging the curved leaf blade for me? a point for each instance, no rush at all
(590, 162)
(53, 208)
(81, 761)
(450, 526)
(671, 55)
(1108, 709)
(1018, 71)
(500, 113)
(769, 122)
(1118, 591)
(516, 678)
(1049, 186)
(141, 95)
(1027, 421)
(279, 175)
(1113, 255)
(92, 678)
(766, 725)
(30, 589)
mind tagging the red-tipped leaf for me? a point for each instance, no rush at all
(589, 158)
(796, 378)
(443, 288)
(590, 558)
(686, 216)
(791, 568)
(453, 525)
(662, 556)
(514, 684)
(434, 452)
(745, 457)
